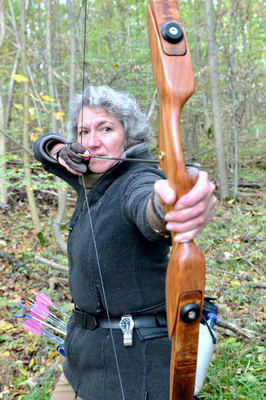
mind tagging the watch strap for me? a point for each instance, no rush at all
(128, 338)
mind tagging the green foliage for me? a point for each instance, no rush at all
(41, 238)
(117, 54)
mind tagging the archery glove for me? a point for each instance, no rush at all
(69, 153)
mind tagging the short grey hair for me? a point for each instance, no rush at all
(122, 105)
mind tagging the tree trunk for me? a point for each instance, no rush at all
(49, 60)
(152, 105)
(187, 135)
(207, 122)
(2, 22)
(62, 194)
(27, 170)
(236, 133)
(73, 53)
(3, 190)
(11, 90)
(216, 101)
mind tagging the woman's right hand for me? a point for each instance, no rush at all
(67, 155)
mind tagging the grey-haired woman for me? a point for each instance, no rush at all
(117, 345)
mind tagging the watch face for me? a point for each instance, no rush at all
(126, 324)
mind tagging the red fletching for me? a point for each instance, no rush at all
(87, 153)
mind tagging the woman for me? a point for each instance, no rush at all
(118, 249)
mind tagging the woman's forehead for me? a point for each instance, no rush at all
(90, 113)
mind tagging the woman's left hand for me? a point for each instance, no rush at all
(192, 212)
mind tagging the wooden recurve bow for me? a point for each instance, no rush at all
(185, 280)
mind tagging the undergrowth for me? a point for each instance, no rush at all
(235, 251)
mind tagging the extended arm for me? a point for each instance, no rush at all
(191, 213)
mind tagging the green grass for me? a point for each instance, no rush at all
(237, 372)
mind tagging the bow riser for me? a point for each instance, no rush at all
(185, 281)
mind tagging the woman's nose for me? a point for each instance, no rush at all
(92, 140)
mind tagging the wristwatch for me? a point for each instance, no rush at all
(127, 324)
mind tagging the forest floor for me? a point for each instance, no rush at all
(235, 250)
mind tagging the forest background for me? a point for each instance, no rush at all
(223, 127)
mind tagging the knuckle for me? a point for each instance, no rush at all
(212, 185)
(201, 221)
(201, 208)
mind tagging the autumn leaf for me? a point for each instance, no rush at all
(227, 255)
(38, 129)
(33, 137)
(32, 112)
(239, 313)
(3, 243)
(19, 106)
(5, 326)
(34, 98)
(23, 371)
(58, 114)
(19, 78)
(25, 120)
(235, 283)
(46, 97)
(53, 354)
(31, 381)
(32, 362)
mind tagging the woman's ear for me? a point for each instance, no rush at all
(129, 142)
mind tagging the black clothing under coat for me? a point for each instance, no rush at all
(133, 260)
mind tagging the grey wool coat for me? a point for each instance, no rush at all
(133, 261)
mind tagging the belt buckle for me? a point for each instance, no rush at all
(85, 320)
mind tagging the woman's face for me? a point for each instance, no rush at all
(103, 135)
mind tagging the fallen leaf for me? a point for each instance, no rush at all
(5, 326)
(239, 313)
(227, 255)
(32, 381)
(235, 283)
(53, 354)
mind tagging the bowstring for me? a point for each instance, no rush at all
(90, 219)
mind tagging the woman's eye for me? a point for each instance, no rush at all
(106, 129)
(82, 133)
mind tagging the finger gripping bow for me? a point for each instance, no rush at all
(185, 280)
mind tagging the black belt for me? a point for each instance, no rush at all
(92, 322)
